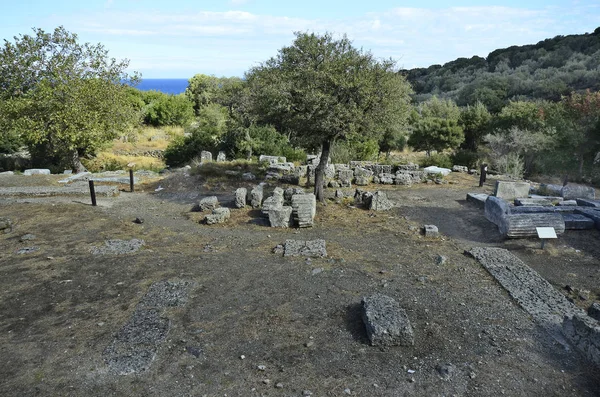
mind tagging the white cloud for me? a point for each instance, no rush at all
(233, 41)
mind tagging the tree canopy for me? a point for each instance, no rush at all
(321, 89)
(64, 99)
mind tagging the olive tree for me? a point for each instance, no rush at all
(321, 89)
(63, 98)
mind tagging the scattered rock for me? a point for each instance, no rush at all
(27, 237)
(386, 322)
(240, 197)
(380, 202)
(219, 215)
(27, 250)
(431, 231)
(281, 217)
(446, 370)
(138, 220)
(316, 271)
(118, 247)
(441, 260)
(248, 176)
(5, 225)
(256, 197)
(208, 203)
(279, 385)
(194, 351)
(460, 168)
(314, 248)
(262, 367)
(278, 249)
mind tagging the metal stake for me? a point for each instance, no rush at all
(92, 193)
(131, 180)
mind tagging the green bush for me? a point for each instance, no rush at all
(163, 109)
(467, 158)
(10, 142)
(342, 152)
(439, 159)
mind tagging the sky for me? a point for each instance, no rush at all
(180, 38)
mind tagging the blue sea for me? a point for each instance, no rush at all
(168, 86)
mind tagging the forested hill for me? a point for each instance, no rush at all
(545, 70)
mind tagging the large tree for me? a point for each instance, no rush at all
(435, 126)
(63, 98)
(321, 89)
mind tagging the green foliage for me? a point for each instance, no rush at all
(467, 158)
(63, 99)
(475, 122)
(203, 90)
(435, 133)
(344, 151)
(437, 159)
(547, 70)
(163, 109)
(392, 139)
(510, 164)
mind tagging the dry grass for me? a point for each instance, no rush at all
(108, 161)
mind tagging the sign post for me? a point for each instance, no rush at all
(545, 233)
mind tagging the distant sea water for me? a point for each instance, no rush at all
(168, 86)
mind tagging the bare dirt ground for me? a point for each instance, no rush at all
(61, 306)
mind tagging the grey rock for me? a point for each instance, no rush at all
(386, 179)
(316, 271)
(221, 157)
(290, 179)
(446, 371)
(291, 191)
(27, 237)
(533, 202)
(205, 157)
(27, 250)
(219, 215)
(82, 176)
(339, 194)
(333, 184)
(272, 203)
(594, 311)
(571, 192)
(118, 247)
(345, 177)
(437, 170)
(590, 213)
(460, 168)
(301, 171)
(550, 190)
(376, 180)
(5, 224)
(584, 332)
(588, 202)
(256, 197)
(403, 179)
(7, 173)
(431, 231)
(361, 180)
(138, 220)
(379, 169)
(272, 159)
(568, 203)
(380, 202)
(248, 176)
(240, 197)
(408, 167)
(166, 293)
(37, 171)
(386, 322)
(281, 217)
(441, 260)
(359, 171)
(281, 168)
(311, 248)
(511, 190)
(329, 171)
(208, 203)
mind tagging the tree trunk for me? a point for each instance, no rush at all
(76, 165)
(320, 171)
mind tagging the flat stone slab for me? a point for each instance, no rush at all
(52, 191)
(135, 346)
(511, 190)
(111, 179)
(37, 171)
(386, 322)
(82, 176)
(533, 202)
(532, 292)
(310, 248)
(590, 213)
(577, 222)
(477, 198)
(118, 247)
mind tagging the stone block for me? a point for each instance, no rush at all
(221, 157)
(256, 197)
(345, 177)
(415, 176)
(281, 168)
(208, 203)
(360, 171)
(311, 248)
(408, 167)
(381, 169)
(524, 225)
(477, 198)
(584, 333)
(290, 179)
(511, 190)
(495, 210)
(248, 176)
(572, 192)
(386, 179)
(273, 203)
(539, 202)
(380, 202)
(240, 197)
(281, 217)
(290, 191)
(5, 225)
(590, 213)
(304, 209)
(431, 231)
(550, 190)
(403, 179)
(362, 180)
(386, 322)
(577, 222)
(568, 203)
(219, 215)
(37, 171)
(300, 171)
(272, 159)
(588, 203)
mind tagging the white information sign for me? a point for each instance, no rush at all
(546, 232)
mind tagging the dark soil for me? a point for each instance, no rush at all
(62, 306)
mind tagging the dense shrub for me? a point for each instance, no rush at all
(163, 109)
(467, 158)
(437, 159)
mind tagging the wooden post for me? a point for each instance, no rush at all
(482, 174)
(92, 193)
(131, 180)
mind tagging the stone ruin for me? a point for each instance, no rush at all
(517, 212)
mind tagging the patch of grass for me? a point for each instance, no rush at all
(107, 161)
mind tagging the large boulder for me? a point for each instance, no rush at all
(386, 322)
(281, 217)
(208, 203)
(256, 197)
(240, 197)
(380, 202)
(219, 215)
(205, 157)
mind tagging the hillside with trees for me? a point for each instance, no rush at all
(547, 70)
